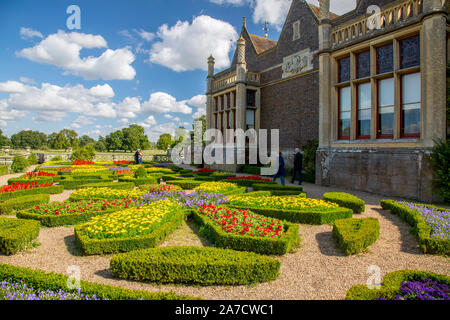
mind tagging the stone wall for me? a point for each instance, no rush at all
(393, 172)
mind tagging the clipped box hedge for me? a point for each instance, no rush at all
(346, 200)
(214, 233)
(73, 184)
(115, 245)
(20, 193)
(4, 169)
(305, 216)
(25, 202)
(185, 184)
(16, 234)
(420, 228)
(256, 194)
(249, 183)
(90, 176)
(391, 284)
(138, 181)
(110, 185)
(42, 179)
(277, 189)
(355, 235)
(40, 280)
(195, 265)
(203, 178)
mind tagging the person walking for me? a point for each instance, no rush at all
(298, 166)
(281, 170)
(140, 156)
(136, 157)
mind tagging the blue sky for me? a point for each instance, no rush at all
(135, 61)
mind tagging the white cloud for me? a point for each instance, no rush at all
(160, 102)
(338, 7)
(198, 101)
(147, 36)
(168, 116)
(129, 107)
(232, 2)
(50, 98)
(123, 121)
(49, 116)
(7, 114)
(104, 91)
(27, 80)
(63, 50)
(153, 133)
(27, 33)
(272, 11)
(186, 46)
(12, 87)
(200, 112)
(147, 123)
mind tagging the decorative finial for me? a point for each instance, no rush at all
(244, 22)
(266, 29)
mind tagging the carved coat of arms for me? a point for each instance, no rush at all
(297, 63)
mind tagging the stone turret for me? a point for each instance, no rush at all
(209, 88)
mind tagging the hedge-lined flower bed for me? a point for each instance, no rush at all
(430, 224)
(393, 283)
(82, 163)
(72, 184)
(17, 234)
(292, 208)
(346, 200)
(424, 289)
(105, 193)
(244, 230)
(110, 185)
(355, 235)
(24, 186)
(25, 202)
(195, 265)
(185, 184)
(42, 281)
(154, 170)
(52, 189)
(194, 199)
(249, 181)
(220, 187)
(130, 229)
(204, 171)
(138, 181)
(70, 213)
(160, 188)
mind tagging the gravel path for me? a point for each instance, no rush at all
(317, 270)
(4, 179)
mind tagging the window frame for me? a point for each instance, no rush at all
(341, 137)
(378, 107)
(402, 134)
(358, 136)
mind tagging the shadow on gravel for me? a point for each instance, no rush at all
(71, 246)
(327, 245)
(105, 273)
(409, 241)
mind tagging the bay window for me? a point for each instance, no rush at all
(385, 110)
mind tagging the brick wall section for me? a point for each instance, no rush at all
(293, 107)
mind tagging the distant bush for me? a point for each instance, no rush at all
(32, 159)
(309, 158)
(19, 164)
(141, 172)
(86, 153)
(57, 158)
(441, 168)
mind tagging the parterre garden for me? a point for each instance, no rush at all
(128, 211)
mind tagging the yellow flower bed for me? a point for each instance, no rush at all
(133, 222)
(217, 187)
(287, 203)
(108, 193)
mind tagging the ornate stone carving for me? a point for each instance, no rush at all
(324, 9)
(297, 63)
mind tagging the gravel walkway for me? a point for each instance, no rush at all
(317, 270)
(4, 179)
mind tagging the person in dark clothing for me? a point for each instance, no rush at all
(136, 157)
(281, 170)
(298, 166)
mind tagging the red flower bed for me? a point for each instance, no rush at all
(123, 162)
(244, 222)
(125, 172)
(24, 186)
(60, 208)
(204, 170)
(81, 162)
(39, 174)
(254, 178)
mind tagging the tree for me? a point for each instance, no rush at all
(134, 137)
(64, 139)
(86, 153)
(4, 140)
(85, 140)
(72, 137)
(165, 141)
(114, 140)
(28, 138)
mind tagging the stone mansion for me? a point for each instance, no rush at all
(369, 85)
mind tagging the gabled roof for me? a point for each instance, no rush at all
(261, 44)
(316, 11)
